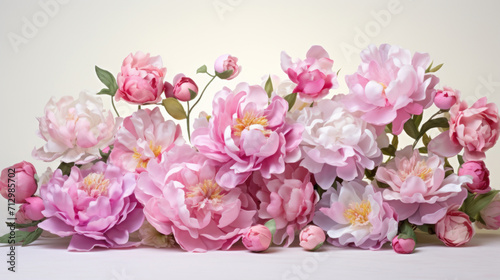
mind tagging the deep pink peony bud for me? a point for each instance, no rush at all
(181, 88)
(311, 238)
(445, 98)
(23, 182)
(258, 238)
(480, 176)
(33, 208)
(403, 246)
(226, 62)
(455, 228)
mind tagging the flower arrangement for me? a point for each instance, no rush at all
(269, 164)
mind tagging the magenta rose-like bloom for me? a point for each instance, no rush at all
(403, 246)
(356, 215)
(312, 238)
(181, 196)
(390, 86)
(288, 198)
(225, 63)
(96, 207)
(75, 130)
(490, 215)
(22, 182)
(183, 88)
(418, 189)
(480, 176)
(144, 136)
(141, 79)
(455, 228)
(257, 238)
(336, 142)
(314, 75)
(247, 133)
(446, 97)
(474, 129)
(33, 208)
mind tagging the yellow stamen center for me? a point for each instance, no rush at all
(357, 213)
(420, 169)
(95, 185)
(249, 120)
(205, 192)
(143, 162)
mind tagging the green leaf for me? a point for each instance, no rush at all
(426, 139)
(417, 119)
(105, 91)
(174, 108)
(291, 98)
(389, 151)
(429, 68)
(439, 122)
(32, 224)
(193, 94)
(32, 236)
(271, 225)
(225, 74)
(407, 231)
(423, 150)
(411, 129)
(388, 128)
(395, 142)
(269, 86)
(107, 79)
(435, 69)
(338, 71)
(66, 167)
(474, 204)
(382, 185)
(19, 236)
(202, 69)
(460, 159)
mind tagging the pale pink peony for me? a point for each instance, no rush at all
(21, 182)
(490, 215)
(288, 198)
(257, 238)
(225, 63)
(314, 75)
(312, 238)
(247, 133)
(403, 246)
(183, 88)
(336, 142)
(141, 79)
(455, 228)
(144, 136)
(181, 196)
(75, 130)
(96, 207)
(356, 215)
(390, 86)
(418, 189)
(446, 97)
(480, 176)
(474, 129)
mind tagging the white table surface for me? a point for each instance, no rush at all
(49, 259)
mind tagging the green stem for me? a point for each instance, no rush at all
(187, 120)
(196, 103)
(139, 107)
(113, 104)
(418, 138)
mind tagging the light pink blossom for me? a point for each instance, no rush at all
(183, 88)
(314, 75)
(246, 133)
(418, 189)
(33, 208)
(390, 86)
(446, 97)
(311, 238)
(403, 246)
(455, 228)
(225, 63)
(257, 238)
(21, 183)
(490, 215)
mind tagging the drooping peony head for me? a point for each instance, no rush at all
(356, 215)
(75, 130)
(181, 196)
(336, 142)
(141, 79)
(418, 189)
(288, 198)
(97, 207)
(475, 129)
(247, 133)
(144, 136)
(390, 85)
(314, 75)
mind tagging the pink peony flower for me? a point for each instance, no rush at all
(390, 86)
(75, 130)
(257, 238)
(288, 198)
(480, 176)
(403, 246)
(312, 238)
(474, 129)
(490, 215)
(144, 136)
(314, 76)
(336, 143)
(96, 207)
(141, 79)
(181, 89)
(247, 133)
(446, 98)
(225, 63)
(418, 189)
(21, 182)
(455, 228)
(21, 218)
(181, 196)
(356, 215)
(33, 208)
